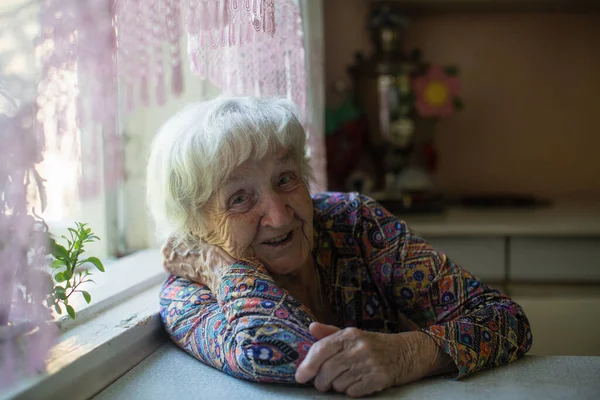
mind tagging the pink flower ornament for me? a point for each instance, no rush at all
(435, 92)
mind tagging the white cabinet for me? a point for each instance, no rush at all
(565, 320)
(482, 256)
(556, 259)
(559, 259)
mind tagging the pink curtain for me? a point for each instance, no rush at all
(243, 47)
(24, 335)
(287, 62)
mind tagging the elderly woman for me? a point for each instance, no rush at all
(271, 284)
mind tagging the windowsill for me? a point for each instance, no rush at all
(109, 336)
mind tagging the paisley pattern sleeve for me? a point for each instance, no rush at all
(252, 329)
(476, 325)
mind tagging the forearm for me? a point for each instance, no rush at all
(253, 330)
(476, 325)
(491, 331)
(270, 328)
(248, 289)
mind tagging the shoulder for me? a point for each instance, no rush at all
(348, 208)
(328, 205)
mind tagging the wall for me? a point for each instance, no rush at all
(530, 85)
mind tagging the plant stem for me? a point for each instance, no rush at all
(75, 286)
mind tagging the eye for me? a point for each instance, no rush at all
(286, 179)
(238, 198)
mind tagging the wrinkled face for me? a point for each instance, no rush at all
(265, 211)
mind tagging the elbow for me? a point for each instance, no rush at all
(505, 315)
(526, 341)
(517, 326)
(271, 358)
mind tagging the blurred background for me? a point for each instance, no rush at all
(509, 182)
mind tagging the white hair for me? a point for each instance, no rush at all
(198, 148)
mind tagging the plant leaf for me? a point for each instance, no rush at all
(57, 309)
(59, 277)
(87, 296)
(71, 311)
(91, 239)
(57, 264)
(58, 251)
(96, 261)
(68, 274)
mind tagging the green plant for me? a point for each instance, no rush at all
(68, 269)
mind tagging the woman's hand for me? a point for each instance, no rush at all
(202, 263)
(359, 363)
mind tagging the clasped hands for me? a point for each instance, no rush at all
(359, 363)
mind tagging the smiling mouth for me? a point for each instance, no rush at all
(281, 240)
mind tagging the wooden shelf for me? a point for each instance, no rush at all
(435, 6)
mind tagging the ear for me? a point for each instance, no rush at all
(320, 331)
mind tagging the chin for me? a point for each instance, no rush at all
(283, 270)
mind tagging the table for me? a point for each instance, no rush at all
(169, 373)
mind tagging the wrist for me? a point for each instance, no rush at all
(412, 364)
(437, 360)
(421, 356)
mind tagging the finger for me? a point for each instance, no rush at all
(226, 256)
(345, 380)
(359, 389)
(320, 352)
(167, 248)
(331, 370)
(320, 331)
(184, 270)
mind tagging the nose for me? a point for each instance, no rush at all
(276, 212)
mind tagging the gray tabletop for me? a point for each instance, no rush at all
(169, 373)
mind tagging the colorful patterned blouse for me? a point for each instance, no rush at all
(375, 272)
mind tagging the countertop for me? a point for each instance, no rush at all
(169, 373)
(560, 219)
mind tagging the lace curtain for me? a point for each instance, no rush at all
(242, 46)
(98, 57)
(22, 288)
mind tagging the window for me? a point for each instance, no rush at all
(115, 208)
